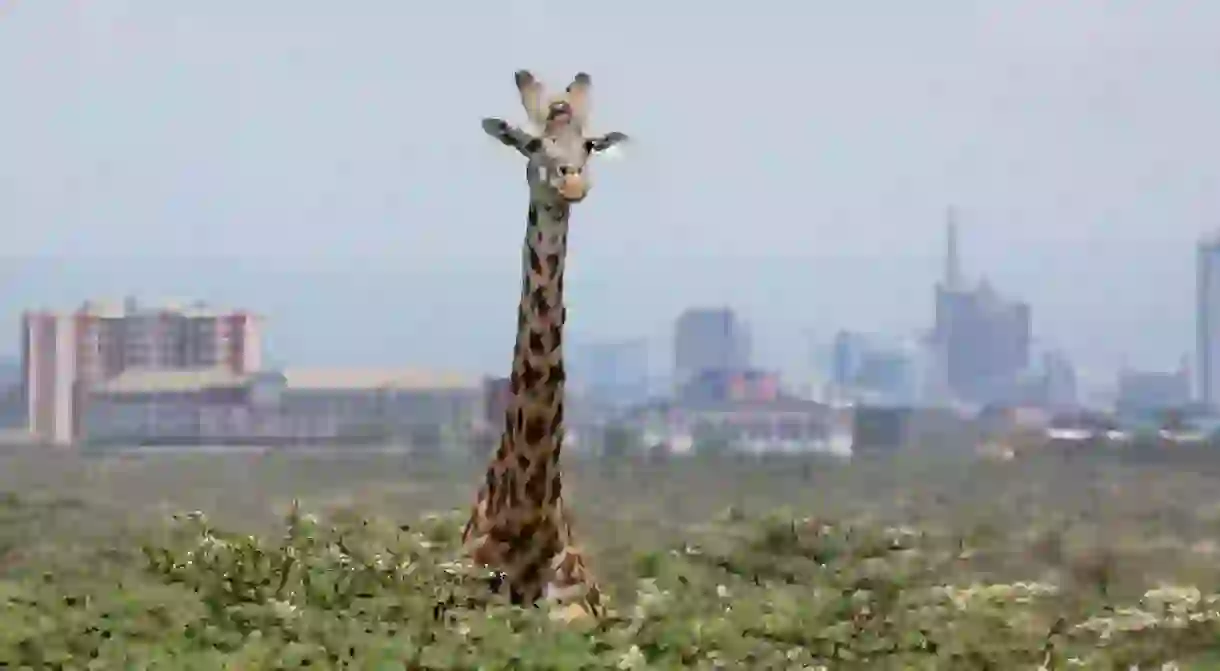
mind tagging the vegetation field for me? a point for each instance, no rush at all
(202, 561)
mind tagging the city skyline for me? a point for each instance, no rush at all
(395, 313)
(979, 349)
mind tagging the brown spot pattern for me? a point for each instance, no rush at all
(535, 429)
(529, 380)
(535, 262)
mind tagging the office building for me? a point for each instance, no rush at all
(64, 354)
(984, 339)
(1207, 322)
(869, 367)
(709, 339)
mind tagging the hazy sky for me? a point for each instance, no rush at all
(792, 159)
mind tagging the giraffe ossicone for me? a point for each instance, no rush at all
(518, 525)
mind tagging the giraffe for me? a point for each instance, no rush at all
(518, 525)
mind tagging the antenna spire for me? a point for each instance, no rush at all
(953, 269)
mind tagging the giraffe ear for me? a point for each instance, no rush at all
(599, 144)
(579, 97)
(531, 91)
(511, 136)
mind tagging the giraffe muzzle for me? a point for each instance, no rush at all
(573, 189)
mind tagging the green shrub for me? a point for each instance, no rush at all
(775, 593)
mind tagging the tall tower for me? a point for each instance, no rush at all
(948, 296)
(1207, 322)
(953, 268)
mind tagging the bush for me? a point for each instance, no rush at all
(773, 593)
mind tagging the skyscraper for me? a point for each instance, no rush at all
(709, 339)
(982, 338)
(1207, 321)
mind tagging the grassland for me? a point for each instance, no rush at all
(1049, 562)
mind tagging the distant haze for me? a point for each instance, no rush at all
(793, 160)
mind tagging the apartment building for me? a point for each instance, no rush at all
(66, 354)
(49, 374)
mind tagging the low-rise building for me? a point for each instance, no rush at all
(294, 406)
(778, 425)
(889, 429)
(175, 407)
(411, 406)
(1146, 392)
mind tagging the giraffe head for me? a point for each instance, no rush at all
(558, 151)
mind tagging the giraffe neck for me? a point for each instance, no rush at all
(534, 428)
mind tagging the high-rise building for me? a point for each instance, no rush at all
(984, 338)
(709, 339)
(50, 373)
(1207, 321)
(1059, 375)
(63, 354)
(848, 349)
(865, 366)
(614, 372)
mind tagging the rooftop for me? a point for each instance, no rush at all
(762, 407)
(138, 381)
(129, 307)
(376, 378)
(300, 379)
